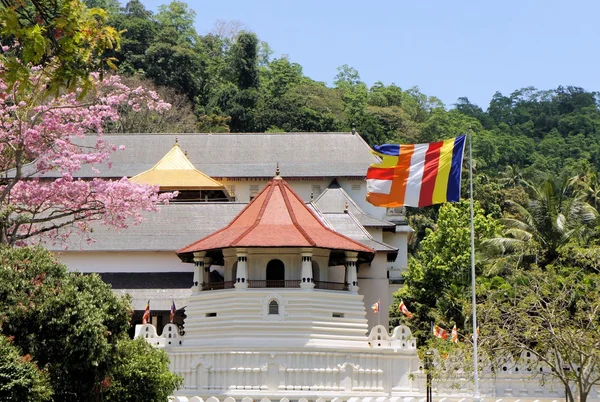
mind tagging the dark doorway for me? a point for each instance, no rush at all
(275, 274)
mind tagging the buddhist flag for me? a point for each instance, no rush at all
(402, 308)
(173, 311)
(376, 306)
(454, 334)
(440, 332)
(146, 316)
(416, 175)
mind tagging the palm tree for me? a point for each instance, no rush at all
(556, 214)
(512, 177)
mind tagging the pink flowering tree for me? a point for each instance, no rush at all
(39, 132)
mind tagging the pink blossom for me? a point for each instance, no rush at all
(43, 139)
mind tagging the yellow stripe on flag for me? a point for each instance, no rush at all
(441, 181)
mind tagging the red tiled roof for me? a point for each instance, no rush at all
(277, 217)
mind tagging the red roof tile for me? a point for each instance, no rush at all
(277, 217)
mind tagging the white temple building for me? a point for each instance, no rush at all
(273, 258)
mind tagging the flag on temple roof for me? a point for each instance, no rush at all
(416, 175)
(403, 309)
(146, 316)
(376, 306)
(173, 311)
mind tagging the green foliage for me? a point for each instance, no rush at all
(141, 374)
(65, 37)
(20, 379)
(69, 323)
(553, 216)
(552, 314)
(438, 278)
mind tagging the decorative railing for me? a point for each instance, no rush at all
(274, 284)
(217, 285)
(330, 285)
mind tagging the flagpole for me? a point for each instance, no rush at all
(473, 296)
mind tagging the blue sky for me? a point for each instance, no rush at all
(447, 48)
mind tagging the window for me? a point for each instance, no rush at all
(273, 307)
(356, 187)
(316, 189)
(253, 191)
(231, 190)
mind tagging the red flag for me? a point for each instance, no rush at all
(146, 316)
(402, 308)
(454, 334)
(173, 311)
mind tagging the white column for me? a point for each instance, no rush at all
(351, 258)
(307, 276)
(198, 271)
(242, 269)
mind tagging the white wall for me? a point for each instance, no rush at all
(373, 285)
(130, 261)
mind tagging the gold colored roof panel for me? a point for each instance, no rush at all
(175, 172)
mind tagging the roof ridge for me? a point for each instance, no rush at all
(293, 215)
(259, 216)
(231, 134)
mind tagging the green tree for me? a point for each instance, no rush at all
(552, 314)
(63, 36)
(437, 281)
(174, 58)
(554, 216)
(20, 379)
(69, 323)
(140, 374)
(138, 34)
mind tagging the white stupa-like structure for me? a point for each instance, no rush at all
(275, 312)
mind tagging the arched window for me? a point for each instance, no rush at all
(275, 274)
(273, 307)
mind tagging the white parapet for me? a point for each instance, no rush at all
(170, 336)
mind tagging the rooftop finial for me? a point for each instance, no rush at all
(346, 207)
(353, 130)
(311, 195)
(277, 170)
(185, 153)
(176, 140)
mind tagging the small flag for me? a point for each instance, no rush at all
(440, 332)
(454, 334)
(146, 316)
(173, 311)
(376, 306)
(416, 175)
(402, 308)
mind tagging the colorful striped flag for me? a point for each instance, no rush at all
(376, 306)
(454, 334)
(146, 316)
(173, 311)
(402, 308)
(416, 175)
(440, 332)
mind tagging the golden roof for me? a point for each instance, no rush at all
(175, 172)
